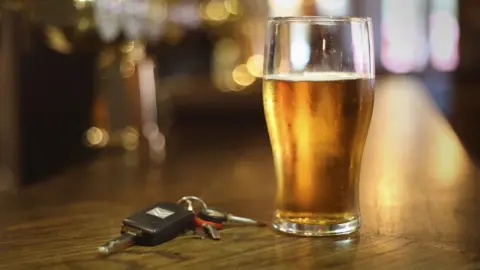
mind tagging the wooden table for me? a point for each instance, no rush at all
(419, 200)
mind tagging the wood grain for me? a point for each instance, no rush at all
(419, 200)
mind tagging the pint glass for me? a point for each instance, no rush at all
(318, 95)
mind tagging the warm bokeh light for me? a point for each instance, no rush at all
(130, 138)
(83, 24)
(232, 6)
(242, 76)
(57, 41)
(127, 47)
(80, 4)
(138, 52)
(255, 65)
(127, 68)
(285, 7)
(96, 137)
(215, 11)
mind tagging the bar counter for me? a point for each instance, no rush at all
(419, 197)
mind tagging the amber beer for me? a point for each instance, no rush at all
(318, 124)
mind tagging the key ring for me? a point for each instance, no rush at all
(189, 200)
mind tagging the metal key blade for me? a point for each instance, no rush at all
(212, 231)
(118, 244)
(220, 216)
(243, 220)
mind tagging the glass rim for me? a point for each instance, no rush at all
(319, 19)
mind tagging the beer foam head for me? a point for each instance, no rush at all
(319, 76)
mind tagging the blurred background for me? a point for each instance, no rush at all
(136, 77)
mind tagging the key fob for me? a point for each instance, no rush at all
(159, 223)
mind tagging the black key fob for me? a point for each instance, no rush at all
(159, 223)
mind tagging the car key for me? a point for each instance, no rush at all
(219, 216)
(152, 226)
(209, 227)
(211, 230)
(199, 222)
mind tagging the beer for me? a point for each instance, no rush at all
(318, 124)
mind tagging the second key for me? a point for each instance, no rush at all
(220, 216)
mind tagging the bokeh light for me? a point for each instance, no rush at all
(255, 65)
(285, 7)
(232, 6)
(127, 68)
(96, 137)
(215, 11)
(333, 7)
(242, 76)
(57, 40)
(130, 138)
(444, 35)
(80, 4)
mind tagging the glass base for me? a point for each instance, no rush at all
(301, 229)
